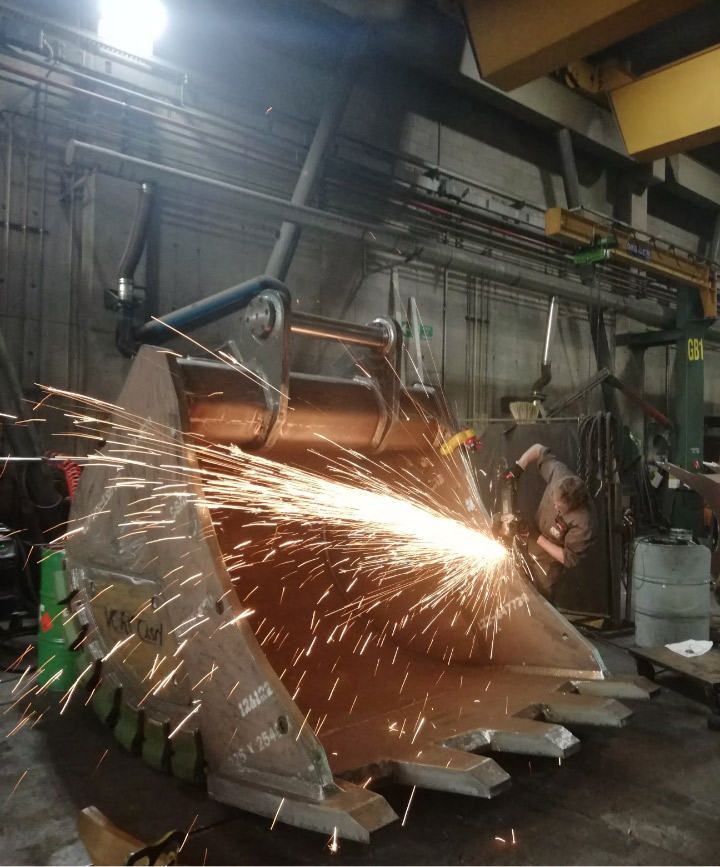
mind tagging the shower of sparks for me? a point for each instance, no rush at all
(333, 844)
(388, 535)
(386, 550)
(393, 532)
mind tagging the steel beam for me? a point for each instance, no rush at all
(546, 103)
(671, 110)
(693, 181)
(517, 41)
(647, 339)
(571, 182)
(282, 254)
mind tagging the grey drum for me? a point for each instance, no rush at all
(671, 578)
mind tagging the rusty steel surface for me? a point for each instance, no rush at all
(269, 676)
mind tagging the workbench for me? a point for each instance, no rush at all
(703, 671)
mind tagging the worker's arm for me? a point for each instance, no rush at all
(555, 551)
(548, 465)
(531, 456)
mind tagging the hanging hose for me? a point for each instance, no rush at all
(124, 328)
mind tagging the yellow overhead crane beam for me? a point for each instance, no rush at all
(516, 41)
(671, 110)
(615, 243)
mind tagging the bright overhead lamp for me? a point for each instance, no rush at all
(132, 25)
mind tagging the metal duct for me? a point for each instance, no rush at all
(138, 234)
(128, 265)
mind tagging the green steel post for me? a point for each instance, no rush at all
(689, 380)
(686, 506)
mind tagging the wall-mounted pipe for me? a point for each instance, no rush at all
(390, 241)
(124, 329)
(119, 165)
(506, 274)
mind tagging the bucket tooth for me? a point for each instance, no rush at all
(436, 767)
(618, 686)
(533, 737)
(584, 709)
(350, 811)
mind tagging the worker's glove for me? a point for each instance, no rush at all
(532, 539)
(526, 539)
(514, 471)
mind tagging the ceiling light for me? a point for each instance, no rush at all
(132, 25)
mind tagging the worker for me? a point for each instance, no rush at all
(565, 521)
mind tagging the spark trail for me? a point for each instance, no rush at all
(394, 532)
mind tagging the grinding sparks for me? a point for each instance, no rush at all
(389, 555)
(382, 525)
(391, 533)
(99, 763)
(282, 801)
(15, 786)
(183, 721)
(407, 809)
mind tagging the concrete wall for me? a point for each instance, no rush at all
(53, 303)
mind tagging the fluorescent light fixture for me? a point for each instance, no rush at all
(132, 25)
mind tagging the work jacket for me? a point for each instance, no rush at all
(574, 530)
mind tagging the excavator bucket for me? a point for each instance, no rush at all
(229, 633)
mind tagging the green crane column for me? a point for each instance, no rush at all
(686, 506)
(690, 380)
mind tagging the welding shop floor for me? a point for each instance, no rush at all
(645, 794)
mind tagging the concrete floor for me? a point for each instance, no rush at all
(646, 794)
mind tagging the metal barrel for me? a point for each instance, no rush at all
(56, 666)
(671, 585)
